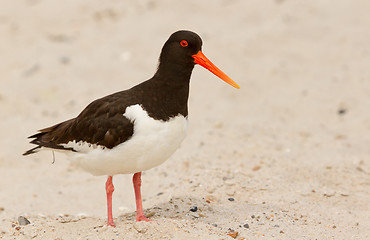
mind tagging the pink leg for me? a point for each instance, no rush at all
(139, 207)
(109, 188)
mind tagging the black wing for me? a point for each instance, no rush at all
(101, 122)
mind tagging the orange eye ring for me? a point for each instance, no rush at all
(184, 43)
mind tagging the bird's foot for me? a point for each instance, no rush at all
(111, 223)
(143, 218)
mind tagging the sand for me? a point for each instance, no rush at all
(284, 157)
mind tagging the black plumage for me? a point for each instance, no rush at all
(163, 96)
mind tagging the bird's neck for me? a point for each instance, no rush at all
(169, 92)
(175, 75)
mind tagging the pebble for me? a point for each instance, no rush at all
(330, 194)
(246, 225)
(196, 215)
(150, 214)
(342, 111)
(231, 199)
(202, 215)
(23, 221)
(256, 168)
(140, 227)
(230, 192)
(211, 198)
(232, 233)
(194, 209)
(82, 215)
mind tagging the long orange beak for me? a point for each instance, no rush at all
(206, 63)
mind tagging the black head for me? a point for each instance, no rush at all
(179, 49)
(179, 55)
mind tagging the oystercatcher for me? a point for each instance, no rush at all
(137, 129)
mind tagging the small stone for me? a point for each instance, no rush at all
(253, 216)
(232, 233)
(140, 227)
(342, 111)
(202, 215)
(196, 215)
(214, 224)
(256, 168)
(194, 209)
(150, 214)
(23, 221)
(230, 193)
(211, 198)
(82, 215)
(246, 225)
(231, 199)
(331, 194)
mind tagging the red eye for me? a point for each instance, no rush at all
(184, 43)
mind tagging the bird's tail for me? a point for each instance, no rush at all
(46, 138)
(32, 150)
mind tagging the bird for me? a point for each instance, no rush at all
(133, 130)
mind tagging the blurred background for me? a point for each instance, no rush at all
(300, 121)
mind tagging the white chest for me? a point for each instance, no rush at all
(152, 143)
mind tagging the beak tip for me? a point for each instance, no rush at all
(202, 60)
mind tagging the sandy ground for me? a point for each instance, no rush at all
(284, 157)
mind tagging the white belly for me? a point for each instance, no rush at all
(152, 143)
